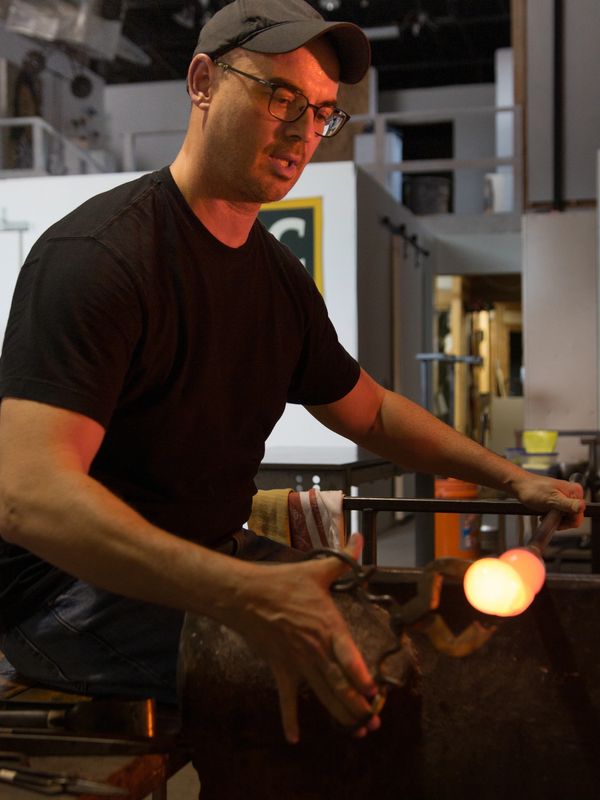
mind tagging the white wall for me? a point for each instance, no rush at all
(42, 201)
(335, 182)
(560, 305)
(581, 98)
(158, 110)
(478, 253)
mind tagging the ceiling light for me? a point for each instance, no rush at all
(380, 32)
(330, 5)
(186, 16)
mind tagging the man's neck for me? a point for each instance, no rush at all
(228, 222)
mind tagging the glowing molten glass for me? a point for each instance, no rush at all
(528, 565)
(495, 587)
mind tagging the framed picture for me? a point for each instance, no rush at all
(298, 224)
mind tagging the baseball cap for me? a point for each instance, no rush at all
(279, 26)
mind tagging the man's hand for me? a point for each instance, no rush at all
(290, 619)
(543, 494)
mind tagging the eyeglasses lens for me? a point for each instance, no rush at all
(289, 106)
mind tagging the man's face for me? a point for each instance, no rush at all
(253, 156)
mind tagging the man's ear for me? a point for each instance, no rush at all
(200, 78)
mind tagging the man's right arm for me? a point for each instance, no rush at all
(51, 506)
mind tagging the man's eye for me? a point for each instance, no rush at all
(283, 97)
(324, 114)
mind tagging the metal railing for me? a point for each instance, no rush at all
(30, 146)
(33, 147)
(371, 506)
(383, 123)
(380, 125)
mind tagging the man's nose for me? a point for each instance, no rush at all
(303, 127)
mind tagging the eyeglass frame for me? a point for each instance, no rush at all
(273, 86)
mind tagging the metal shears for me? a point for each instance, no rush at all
(15, 771)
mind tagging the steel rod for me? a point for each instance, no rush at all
(545, 531)
(416, 505)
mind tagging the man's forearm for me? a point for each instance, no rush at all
(410, 436)
(75, 523)
(284, 611)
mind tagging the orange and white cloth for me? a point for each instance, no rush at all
(304, 520)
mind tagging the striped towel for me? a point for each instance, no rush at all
(304, 520)
(316, 519)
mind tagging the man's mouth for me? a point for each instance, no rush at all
(287, 160)
(286, 164)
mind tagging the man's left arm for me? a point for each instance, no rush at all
(401, 431)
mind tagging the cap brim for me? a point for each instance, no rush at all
(350, 43)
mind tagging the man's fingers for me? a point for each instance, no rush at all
(287, 685)
(345, 655)
(339, 696)
(334, 568)
(354, 546)
(571, 504)
(308, 640)
(353, 665)
(348, 706)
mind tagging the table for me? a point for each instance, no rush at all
(141, 774)
(334, 467)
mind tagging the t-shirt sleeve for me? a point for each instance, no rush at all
(326, 372)
(75, 319)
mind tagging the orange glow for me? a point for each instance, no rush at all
(528, 565)
(495, 587)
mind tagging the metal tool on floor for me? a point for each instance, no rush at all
(123, 717)
(14, 770)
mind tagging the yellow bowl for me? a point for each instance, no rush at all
(539, 441)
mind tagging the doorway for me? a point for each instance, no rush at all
(480, 315)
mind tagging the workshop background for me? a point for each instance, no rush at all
(456, 216)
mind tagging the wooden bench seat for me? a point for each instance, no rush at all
(141, 775)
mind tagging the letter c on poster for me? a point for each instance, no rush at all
(298, 225)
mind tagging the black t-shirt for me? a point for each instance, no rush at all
(185, 350)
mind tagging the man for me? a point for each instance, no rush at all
(155, 336)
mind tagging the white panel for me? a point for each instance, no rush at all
(437, 97)
(41, 202)
(560, 304)
(478, 253)
(335, 182)
(505, 96)
(539, 100)
(9, 269)
(582, 97)
(157, 112)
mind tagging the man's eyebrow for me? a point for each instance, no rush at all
(288, 85)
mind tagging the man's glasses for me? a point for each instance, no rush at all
(288, 105)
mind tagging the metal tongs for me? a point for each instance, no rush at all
(418, 613)
(15, 771)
